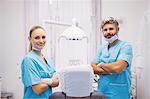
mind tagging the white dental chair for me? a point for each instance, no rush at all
(76, 83)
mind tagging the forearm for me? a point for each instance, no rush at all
(98, 70)
(114, 67)
(39, 88)
(44, 85)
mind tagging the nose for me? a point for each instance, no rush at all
(107, 31)
(41, 39)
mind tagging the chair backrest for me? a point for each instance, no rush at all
(76, 81)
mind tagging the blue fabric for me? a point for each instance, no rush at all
(115, 86)
(33, 69)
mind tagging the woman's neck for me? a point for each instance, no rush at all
(38, 52)
(41, 56)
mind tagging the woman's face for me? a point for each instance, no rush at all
(109, 30)
(38, 38)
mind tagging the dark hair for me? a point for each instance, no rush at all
(109, 20)
(30, 33)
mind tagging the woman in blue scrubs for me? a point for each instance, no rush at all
(113, 63)
(37, 70)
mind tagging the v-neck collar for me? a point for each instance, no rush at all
(108, 51)
(114, 45)
(39, 58)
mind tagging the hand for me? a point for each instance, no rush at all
(46, 81)
(55, 82)
(101, 64)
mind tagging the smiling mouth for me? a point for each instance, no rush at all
(108, 37)
(40, 45)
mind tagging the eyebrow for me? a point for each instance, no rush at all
(109, 28)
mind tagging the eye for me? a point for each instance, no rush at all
(111, 28)
(37, 37)
(43, 37)
(104, 29)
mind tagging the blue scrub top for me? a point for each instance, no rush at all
(115, 86)
(33, 69)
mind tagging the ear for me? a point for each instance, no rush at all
(118, 28)
(29, 38)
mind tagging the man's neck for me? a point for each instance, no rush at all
(111, 44)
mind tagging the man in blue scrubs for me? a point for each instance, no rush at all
(37, 71)
(113, 63)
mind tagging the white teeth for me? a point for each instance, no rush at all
(108, 37)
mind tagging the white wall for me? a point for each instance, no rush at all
(0, 38)
(129, 12)
(0, 47)
(144, 54)
(13, 45)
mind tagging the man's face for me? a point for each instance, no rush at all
(109, 30)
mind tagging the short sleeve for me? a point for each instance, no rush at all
(96, 59)
(126, 53)
(30, 74)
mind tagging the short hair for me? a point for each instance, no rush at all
(109, 20)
